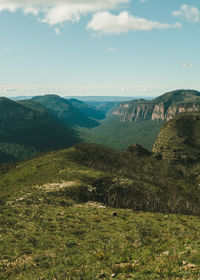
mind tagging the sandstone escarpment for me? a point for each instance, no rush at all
(164, 108)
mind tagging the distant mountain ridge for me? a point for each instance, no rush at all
(90, 111)
(164, 107)
(50, 122)
(27, 128)
(69, 112)
(42, 124)
(12, 114)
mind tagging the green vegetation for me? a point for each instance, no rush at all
(42, 241)
(179, 139)
(91, 212)
(140, 121)
(90, 111)
(119, 135)
(65, 111)
(15, 152)
(181, 96)
(27, 128)
(50, 122)
(33, 105)
(56, 219)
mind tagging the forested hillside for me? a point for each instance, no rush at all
(27, 128)
(139, 121)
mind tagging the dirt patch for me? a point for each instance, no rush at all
(57, 186)
(91, 204)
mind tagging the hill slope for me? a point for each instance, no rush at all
(56, 221)
(179, 139)
(153, 186)
(88, 110)
(34, 105)
(65, 111)
(27, 128)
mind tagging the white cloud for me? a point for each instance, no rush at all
(105, 22)
(58, 11)
(31, 10)
(191, 13)
(8, 5)
(57, 30)
(54, 12)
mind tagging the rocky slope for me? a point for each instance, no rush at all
(162, 108)
(179, 139)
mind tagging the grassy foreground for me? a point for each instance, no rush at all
(50, 230)
(89, 242)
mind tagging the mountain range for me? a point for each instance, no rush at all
(43, 123)
(50, 122)
(163, 108)
(72, 112)
(139, 121)
(27, 127)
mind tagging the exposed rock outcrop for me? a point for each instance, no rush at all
(164, 108)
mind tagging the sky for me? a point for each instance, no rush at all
(99, 47)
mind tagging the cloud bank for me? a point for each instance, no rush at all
(54, 12)
(58, 11)
(107, 23)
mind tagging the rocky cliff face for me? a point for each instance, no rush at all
(179, 139)
(165, 107)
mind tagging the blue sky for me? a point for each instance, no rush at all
(99, 47)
